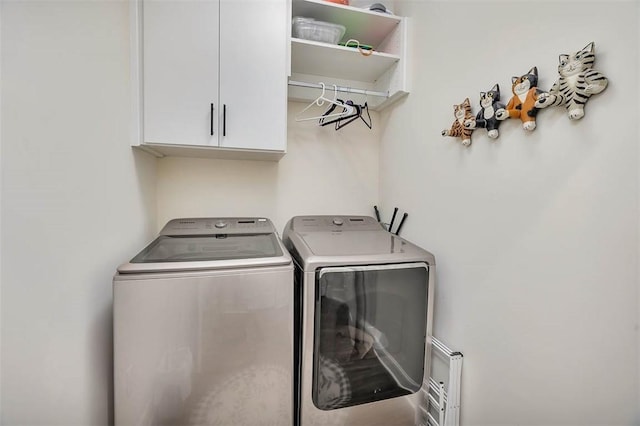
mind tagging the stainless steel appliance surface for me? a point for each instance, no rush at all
(364, 301)
(203, 331)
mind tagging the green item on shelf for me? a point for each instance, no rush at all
(356, 45)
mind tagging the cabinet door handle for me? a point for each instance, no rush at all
(224, 119)
(211, 119)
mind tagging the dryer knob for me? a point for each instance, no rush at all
(221, 225)
(338, 221)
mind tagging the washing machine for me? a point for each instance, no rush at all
(364, 299)
(203, 327)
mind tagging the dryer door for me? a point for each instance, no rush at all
(370, 333)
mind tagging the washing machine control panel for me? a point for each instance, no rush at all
(219, 225)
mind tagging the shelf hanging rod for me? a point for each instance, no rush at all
(339, 88)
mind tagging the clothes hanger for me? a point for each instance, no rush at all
(345, 116)
(350, 119)
(319, 102)
(340, 122)
(337, 103)
(361, 108)
(364, 108)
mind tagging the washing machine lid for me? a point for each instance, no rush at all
(211, 243)
(348, 240)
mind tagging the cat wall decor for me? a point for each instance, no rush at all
(522, 104)
(486, 117)
(461, 112)
(577, 82)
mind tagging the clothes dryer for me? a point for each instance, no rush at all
(203, 331)
(364, 314)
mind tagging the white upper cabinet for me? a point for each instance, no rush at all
(210, 77)
(180, 72)
(253, 74)
(381, 70)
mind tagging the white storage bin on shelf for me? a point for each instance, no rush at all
(381, 72)
(310, 29)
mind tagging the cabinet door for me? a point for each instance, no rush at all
(180, 71)
(253, 74)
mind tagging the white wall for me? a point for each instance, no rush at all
(76, 202)
(535, 235)
(638, 280)
(324, 172)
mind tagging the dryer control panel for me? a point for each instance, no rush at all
(335, 223)
(218, 225)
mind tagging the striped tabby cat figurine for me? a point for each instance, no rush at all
(522, 104)
(578, 81)
(486, 117)
(461, 112)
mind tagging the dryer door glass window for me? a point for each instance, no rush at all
(370, 331)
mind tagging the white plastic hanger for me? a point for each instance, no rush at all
(346, 109)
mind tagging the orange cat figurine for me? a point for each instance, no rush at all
(461, 112)
(522, 104)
